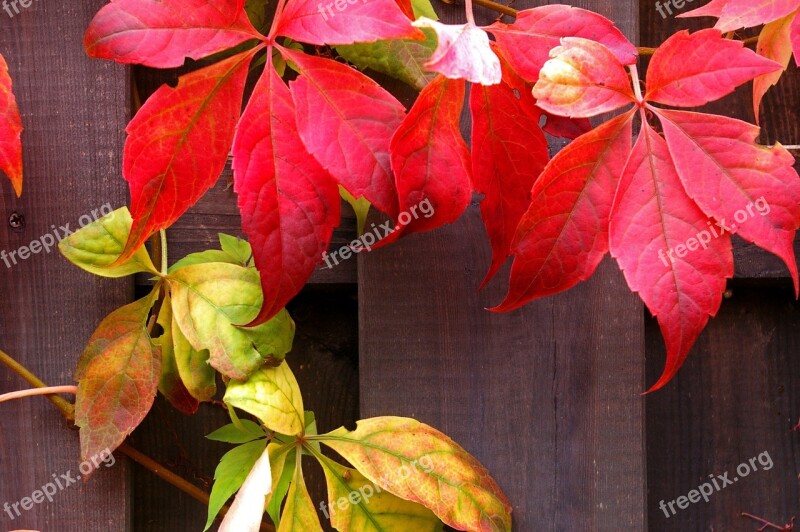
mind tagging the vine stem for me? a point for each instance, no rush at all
(52, 390)
(766, 523)
(511, 12)
(68, 411)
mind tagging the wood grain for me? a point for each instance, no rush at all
(546, 397)
(74, 110)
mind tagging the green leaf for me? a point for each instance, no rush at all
(211, 301)
(423, 8)
(117, 376)
(232, 434)
(420, 464)
(273, 396)
(257, 13)
(236, 248)
(98, 245)
(234, 251)
(401, 59)
(170, 384)
(199, 378)
(299, 514)
(230, 475)
(357, 505)
(282, 460)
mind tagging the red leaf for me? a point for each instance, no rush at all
(431, 160)
(178, 145)
(163, 33)
(566, 128)
(711, 9)
(564, 234)
(527, 42)
(509, 151)
(690, 70)
(774, 43)
(289, 203)
(10, 131)
(346, 121)
(739, 14)
(653, 222)
(335, 22)
(117, 376)
(582, 79)
(752, 190)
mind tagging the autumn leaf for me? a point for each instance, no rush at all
(655, 235)
(403, 59)
(299, 513)
(178, 145)
(289, 203)
(334, 23)
(10, 131)
(774, 43)
(509, 151)
(679, 197)
(420, 464)
(196, 374)
(690, 70)
(462, 52)
(273, 396)
(211, 302)
(357, 505)
(726, 172)
(582, 80)
(96, 247)
(737, 14)
(163, 33)
(117, 376)
(430, 159)
(563, 236)
(346, 121)
(170, 384)
(527, 42)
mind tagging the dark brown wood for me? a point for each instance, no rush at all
(735, 398)
(74, 111)
(546, 397)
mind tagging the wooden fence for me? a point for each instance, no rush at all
(547, 397)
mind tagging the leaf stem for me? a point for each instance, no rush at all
(52, 390)
(66, 408)
(164, 258)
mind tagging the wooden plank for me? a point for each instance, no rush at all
(546, 397)
(735, 398)
(74, 111)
